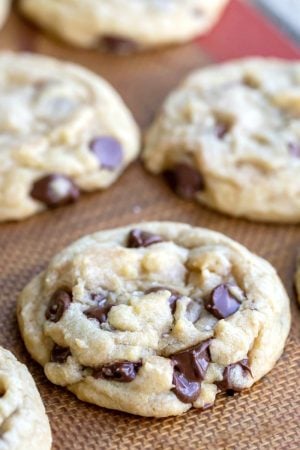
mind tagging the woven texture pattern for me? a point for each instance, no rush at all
(267, 416)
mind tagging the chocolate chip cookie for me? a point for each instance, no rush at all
(4, 9)
(124, 25)
(230, 138)
(24, 424)
(155, 318)
(63, 131)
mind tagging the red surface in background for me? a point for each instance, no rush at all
(244, 31)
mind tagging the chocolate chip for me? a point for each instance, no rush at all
(59, 303)
(227, 383)
(118, 44)
(190, 367)
(221, 303)
(294, 149)
(139, 238)
(59, 354)
(108, 151)
(172, 299)
(100, 311)
(55, 190)
(124, 371)
(187, 391)
(184, 180)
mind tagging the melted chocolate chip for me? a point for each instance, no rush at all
(55, 190)
(294, 150)
(59, 303)
(59, 354)
(184, 180)
(139, 238)
(124, 371)
(118, 44)
(100, 311)
(190, 367)
(227, 383)
(187, 391)
(221, 303)
(108, 151)
(172, 299)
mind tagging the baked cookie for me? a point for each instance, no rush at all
(4, 9)
(24, 424)
(125, 25)
(63, 130)
(155, 318)
(230, 137)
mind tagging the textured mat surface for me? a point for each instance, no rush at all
(267, 416)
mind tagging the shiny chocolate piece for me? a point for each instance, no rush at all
(186, 391)
(294, 149)
(100, 311)
(123, 371)
(172, 299)
(139, 238)
(59, 303)
(221, 303)
(119, 45)
(184, 180)
(227, 383)
(59, 354)
(55, 190)
(190, 367)
(108, 151)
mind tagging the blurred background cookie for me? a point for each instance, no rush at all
(124, 25)
(4, 9)
(63, 130)
(229, 137)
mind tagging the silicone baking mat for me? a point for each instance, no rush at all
(267, 416)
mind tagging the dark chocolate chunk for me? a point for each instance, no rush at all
(139, 238)
(184, 180)
(190, 367)
(124, 371)
(227, 383)
(172, 299)
(119, 44)
(187, 391)
(294, 149)
(59, 303)
(108, 151)
(59, 354)
(221, 303)
(100, 311)
(55, 190)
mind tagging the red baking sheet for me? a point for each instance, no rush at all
(244, 31)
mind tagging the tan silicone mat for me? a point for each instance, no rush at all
(267, 416)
